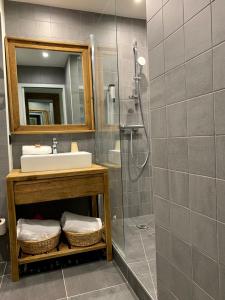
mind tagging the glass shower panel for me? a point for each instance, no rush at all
(107, 116)
(139, 230)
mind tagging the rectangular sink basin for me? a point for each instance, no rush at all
(54, 162)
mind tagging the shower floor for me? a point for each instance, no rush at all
(140, 251)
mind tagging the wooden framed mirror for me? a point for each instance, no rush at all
(49, 87)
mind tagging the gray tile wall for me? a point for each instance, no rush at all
(42, 75)
(4, 158)
(187, 105)
(138, 198)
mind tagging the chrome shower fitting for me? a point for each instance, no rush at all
(139, 63)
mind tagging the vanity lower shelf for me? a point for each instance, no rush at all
(62, 250)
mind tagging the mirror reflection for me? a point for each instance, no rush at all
(50, 87)
(106, 61)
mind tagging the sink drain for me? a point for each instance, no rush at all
(142, 226)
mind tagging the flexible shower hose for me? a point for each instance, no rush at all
(130, 153)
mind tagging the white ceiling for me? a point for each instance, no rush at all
(126, 8)
(34, 57)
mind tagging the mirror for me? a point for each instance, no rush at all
(51, 86)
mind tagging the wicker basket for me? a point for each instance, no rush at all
(83, 239)
(39, 247)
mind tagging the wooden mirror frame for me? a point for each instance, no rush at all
(16, 128)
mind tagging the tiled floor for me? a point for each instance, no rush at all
(93, 280)
(140, 251)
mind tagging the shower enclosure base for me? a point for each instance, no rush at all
(138, 260)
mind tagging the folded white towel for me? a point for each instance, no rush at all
(34, 150)
(37, 230)
(81, 224)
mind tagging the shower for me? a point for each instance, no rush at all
(139, 63)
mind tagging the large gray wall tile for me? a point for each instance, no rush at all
(199, 294)
(152, 7)
(191, 7)
(200, 116)
(222, 281)
(158, 123)
(161, 182)
(172, 16)
(175, 85)
(199, 75)
(156, 61)
(201, 152)
(174, 50)
(163, 293)
(179, 188)
(177, 119)
(220, 157)
(220, 192)
(181, 286)
(155, 30)
(198, 34)
(163, 272)
(204, 234)
(157, 92)
(159, 153)
(221, 242)
(163, 242)
(178, 154)
(181, 229)
(205, 273)
(218, 67)
(218, 15)
(162, 211)
(220, 112)
(181, 255)
(202, 195)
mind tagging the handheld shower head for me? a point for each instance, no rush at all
(141, 61)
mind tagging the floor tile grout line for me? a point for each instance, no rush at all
(148, 266)
(102, 289)
(64, 282)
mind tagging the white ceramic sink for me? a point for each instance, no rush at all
(53, 162)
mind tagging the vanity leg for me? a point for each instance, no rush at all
(12, 233)
(94, 206)
(107, 219)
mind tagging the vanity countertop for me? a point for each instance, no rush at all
(17, 175)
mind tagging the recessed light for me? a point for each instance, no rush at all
(45, 54)
(137, 1)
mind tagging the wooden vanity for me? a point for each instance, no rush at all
(39, 187)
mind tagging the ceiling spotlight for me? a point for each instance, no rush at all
(137, 1)
(45, 54)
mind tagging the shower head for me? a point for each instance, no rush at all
(141, 61)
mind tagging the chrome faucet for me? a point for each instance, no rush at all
(54, 146)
